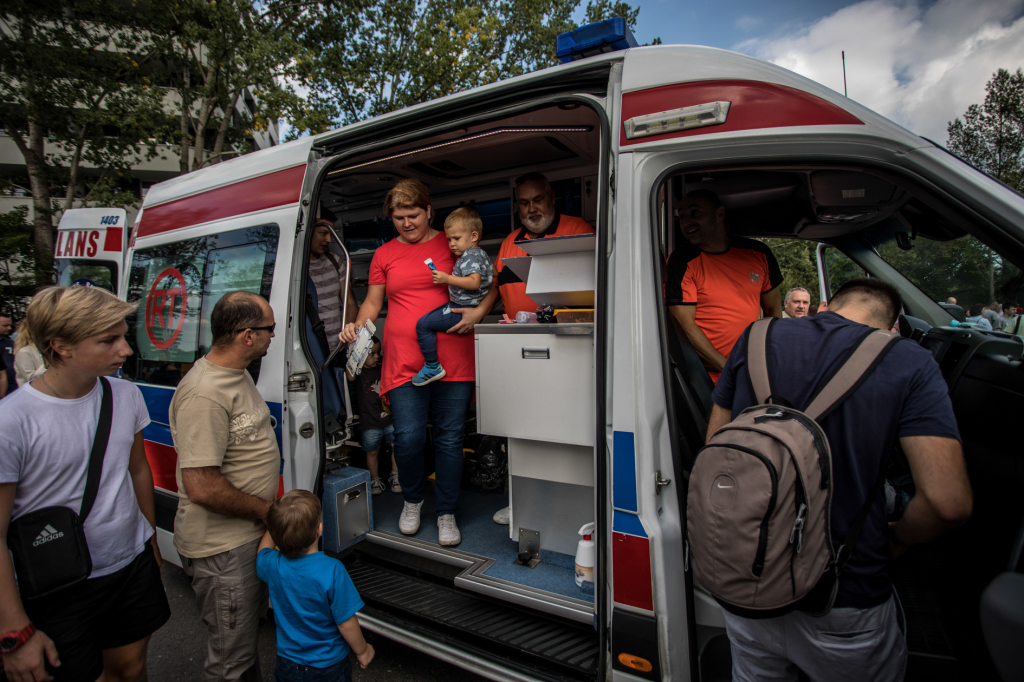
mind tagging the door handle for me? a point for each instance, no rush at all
(536, 353)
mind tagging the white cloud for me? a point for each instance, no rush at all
(919, 66)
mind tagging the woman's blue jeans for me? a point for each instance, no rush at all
(445, 403)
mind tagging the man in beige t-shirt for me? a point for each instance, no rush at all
(227, 473)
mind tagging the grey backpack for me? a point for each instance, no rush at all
(760, 493)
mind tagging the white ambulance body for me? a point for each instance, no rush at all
(90, 247)
(789, 158)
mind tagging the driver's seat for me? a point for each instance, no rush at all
(691, 389)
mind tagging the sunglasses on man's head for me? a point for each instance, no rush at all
(256, 329)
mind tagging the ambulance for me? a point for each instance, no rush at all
(90, 247)
(603, 419)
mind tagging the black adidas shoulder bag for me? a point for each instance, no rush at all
(48, 545)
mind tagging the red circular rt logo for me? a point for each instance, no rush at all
(160, 308)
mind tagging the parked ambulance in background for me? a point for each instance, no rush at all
(622, 402)
(90, 247)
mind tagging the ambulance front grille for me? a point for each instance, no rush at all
(480, 622)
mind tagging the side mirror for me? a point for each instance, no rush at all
(955, 311)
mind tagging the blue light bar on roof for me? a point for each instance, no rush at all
(586, 41)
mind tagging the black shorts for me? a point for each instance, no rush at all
(101, 613)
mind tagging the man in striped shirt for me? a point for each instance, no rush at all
(327, 273)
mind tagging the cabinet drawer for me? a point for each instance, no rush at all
(536, 386)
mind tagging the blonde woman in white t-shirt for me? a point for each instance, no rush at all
(28, 362)
(101, 625)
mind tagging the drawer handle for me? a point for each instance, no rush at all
(352, 495)
(536, 354)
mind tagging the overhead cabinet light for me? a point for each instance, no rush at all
(674, 120)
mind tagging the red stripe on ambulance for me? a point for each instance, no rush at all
(631, 571)
(754, 105)
(256, 194)
(114, 240)
(163, 460)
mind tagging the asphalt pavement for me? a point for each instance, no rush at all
(178, 649)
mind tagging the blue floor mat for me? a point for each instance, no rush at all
(482, 536)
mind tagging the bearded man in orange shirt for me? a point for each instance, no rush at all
(535, 201)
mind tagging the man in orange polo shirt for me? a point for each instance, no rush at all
(536, 203)
(718, 285)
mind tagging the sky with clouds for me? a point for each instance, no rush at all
(919, 63)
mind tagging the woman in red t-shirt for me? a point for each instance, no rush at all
(399, 272)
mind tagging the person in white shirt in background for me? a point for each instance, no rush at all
(28, 361)
(1012, 322)
(976, 316)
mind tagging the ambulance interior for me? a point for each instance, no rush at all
(875, 230)
(545, 454)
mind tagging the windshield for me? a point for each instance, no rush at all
(102, 274)
(962, 269)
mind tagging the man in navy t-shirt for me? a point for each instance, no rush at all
(904, 397)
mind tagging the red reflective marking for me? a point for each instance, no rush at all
(163, 460)
(114, 239)
(256, 194)
(160, 307)
(754, 105)
(280, 485)
(631, 571)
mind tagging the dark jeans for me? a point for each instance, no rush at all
(290, 671)
(445, 402)
(437, 320)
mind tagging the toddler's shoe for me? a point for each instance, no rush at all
(429, 373)
(396, 487)
(447, 531)
(409, 522)
(376, 486)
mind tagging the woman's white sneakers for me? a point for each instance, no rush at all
(447, 532)
(502, 516)
(409, 522)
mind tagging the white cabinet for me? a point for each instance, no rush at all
(536, 381)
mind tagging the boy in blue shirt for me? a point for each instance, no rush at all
(314, 600)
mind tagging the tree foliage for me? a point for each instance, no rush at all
(798, 265)
(991, 134)
(362, 59)
(17, 265)
(74, 92)
(222, 50)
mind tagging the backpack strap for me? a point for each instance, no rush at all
(757, 359)
(334, 261)
(851, 374)
(99, 449)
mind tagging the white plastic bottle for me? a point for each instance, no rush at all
(585, 557)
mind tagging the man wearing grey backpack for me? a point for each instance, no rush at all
(846, 626)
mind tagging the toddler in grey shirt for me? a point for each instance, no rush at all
(467, 287)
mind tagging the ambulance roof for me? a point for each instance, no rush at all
(643, 68)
